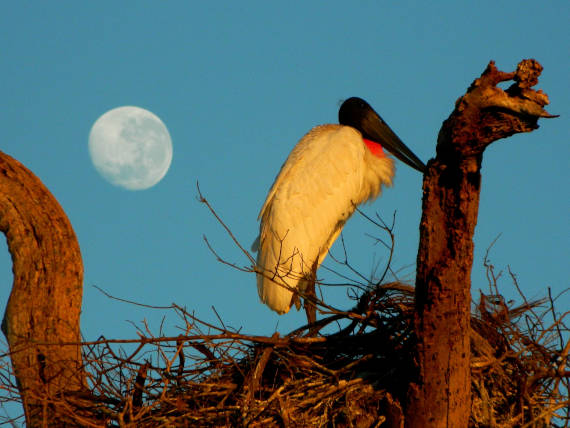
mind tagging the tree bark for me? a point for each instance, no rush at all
(441, 397)
(44, 306)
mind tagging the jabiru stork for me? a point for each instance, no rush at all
(330, 171)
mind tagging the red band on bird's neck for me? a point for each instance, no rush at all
(374, 147)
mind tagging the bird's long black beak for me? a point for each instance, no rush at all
(358, 113)
(379, 131)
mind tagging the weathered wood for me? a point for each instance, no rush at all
(441, 397)
(45, 302)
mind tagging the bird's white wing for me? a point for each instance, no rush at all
(316, 191)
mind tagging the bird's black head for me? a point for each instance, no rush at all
(358, 114)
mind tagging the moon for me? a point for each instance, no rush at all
(130, 147)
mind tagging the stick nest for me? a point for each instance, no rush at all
(349, 369)
(355, 376)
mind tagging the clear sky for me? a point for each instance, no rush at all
(237, 84)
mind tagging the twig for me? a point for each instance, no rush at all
(205, 202)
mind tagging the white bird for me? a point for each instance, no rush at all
(331, 170)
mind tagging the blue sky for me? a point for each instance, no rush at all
(237, 84)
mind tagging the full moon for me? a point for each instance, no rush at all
(130, 147)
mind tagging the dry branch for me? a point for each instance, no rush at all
(45, 302)
(441, 395)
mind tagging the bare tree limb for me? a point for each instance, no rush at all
(45, 302)
(486, 113)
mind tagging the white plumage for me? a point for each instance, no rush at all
(327, 174)
(330, 171)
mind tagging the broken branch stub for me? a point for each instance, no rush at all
(486, 113)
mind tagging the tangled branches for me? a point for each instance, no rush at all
(357, 376)
(350, 369)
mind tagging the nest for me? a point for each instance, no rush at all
(355, 376)
(349, 369)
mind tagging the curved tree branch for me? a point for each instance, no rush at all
(45, 302)
(486, 113)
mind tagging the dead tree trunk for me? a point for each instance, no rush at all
(45, 303)
(441, 397)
